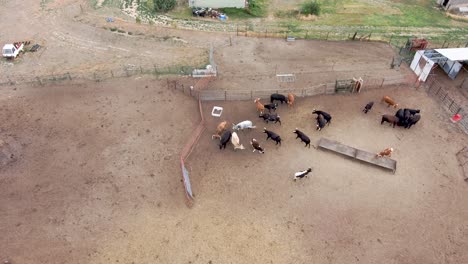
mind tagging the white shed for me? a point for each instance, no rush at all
(450, 60)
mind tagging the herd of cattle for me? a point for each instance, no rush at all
(404, 117)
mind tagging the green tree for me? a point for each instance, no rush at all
(163, 5)
(310, 8)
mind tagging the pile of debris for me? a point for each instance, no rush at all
(208, 12)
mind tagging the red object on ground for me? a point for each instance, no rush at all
(456, 118)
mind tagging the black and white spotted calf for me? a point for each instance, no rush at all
(302, 174)
(256, 146)
(271, 106)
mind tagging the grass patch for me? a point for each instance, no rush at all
(257, 8)
(286, 13)
(113, 29)
(121, 31)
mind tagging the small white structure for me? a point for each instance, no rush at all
(450, 60)
(217, 111)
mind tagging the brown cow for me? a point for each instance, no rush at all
(389, 101)
(219, 130)
(290, 99)
(260, 106)
(385, 153)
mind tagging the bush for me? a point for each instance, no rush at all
(164, 5)
(310, 8)
(138, 20)
(150, 5)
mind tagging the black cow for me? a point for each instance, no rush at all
(270, 134)
(271, 117)
(224, 139)
(271, 106)
(278, 97)
(302, 136)
(391, 119)
(321, 122)
(413, 120)
(368, 107)
(413, 111)
(400, 113)
(325, 115)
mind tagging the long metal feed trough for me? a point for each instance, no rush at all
(358, 154)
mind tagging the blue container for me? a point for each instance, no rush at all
(222, 17)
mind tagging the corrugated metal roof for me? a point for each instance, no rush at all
(456, 54)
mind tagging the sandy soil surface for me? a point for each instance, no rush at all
(90, 172)
(251, 64)
(96, 179)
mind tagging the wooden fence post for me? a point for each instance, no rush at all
(328, 33)
(383, 80)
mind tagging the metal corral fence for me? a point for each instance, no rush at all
(462, 157)
(437, 90)
(200, 85)
(326, 88)
(453, 39)
(125, 71)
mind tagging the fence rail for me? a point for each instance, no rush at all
(437, 90)
(325, 88)
(197, 132)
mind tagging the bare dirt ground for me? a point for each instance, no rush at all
(253, 65)
(97, 180)
(346, 212)
(95, 174)
(88, 157)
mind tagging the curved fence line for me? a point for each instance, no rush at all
(197, 132)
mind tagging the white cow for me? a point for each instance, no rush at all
(236, 142)
(242, 125)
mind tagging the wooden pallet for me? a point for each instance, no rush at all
(358, 154)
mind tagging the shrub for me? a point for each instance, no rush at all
(138, 20)
(150, 5)
(310, 8)
(164, 5)
(113, 29)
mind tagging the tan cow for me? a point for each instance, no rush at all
(389, 101)
(219, 130)
(236, 141)
(260, 106)
(385, 153)
(290, 99)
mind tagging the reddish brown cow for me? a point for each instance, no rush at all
(389, 101)
(260, 106)
(219, 130)
(385, 153)
(290, 99)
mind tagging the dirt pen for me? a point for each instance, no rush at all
(214, 95)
